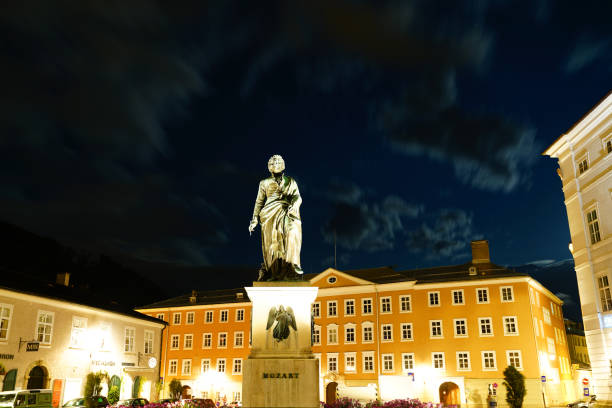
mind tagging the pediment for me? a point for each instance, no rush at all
(333, 278)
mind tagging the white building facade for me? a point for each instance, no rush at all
(584, 154)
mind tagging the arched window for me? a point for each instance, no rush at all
(37, 378)
(136, 386)
(9, 380)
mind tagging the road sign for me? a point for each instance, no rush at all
(543, 378)
(494, 385)
(585, 381)
(586, 392)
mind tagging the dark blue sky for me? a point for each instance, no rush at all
(411, 127)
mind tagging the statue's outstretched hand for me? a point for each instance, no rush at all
(252, 226)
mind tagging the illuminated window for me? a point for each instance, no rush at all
(482, 295)
(205, 365)
(349, 307)
(405, 303)
(437, 360)
(458, 297)
(316, 309)
(559, 336)
(349, 333)
(237, 366)
(546, 315)
(593, 223)
(332, 308)
(236, 396)
(435, 329)
(408, 361)
(174, 342)
(387, 360)
(240, 315)
(510, 326)
(105, 336)
(514, 359)
(583, 164)
(176, 318)
(368, 361)
(332, 362)
(238, 339)
(190, 317)
(222, 340)
(604, 293)
(366, 306)
(332, 334)
(489, 362)
(607, 144)
(186, 367)
(78, 332)
(385, 305)
(552, 350)
(188, 342)
(316, 336)
(463, 361)
(44, 327)
(507, 294)
(172, 367)
(349, 362)
(460, 327)
(368, 332)
(130, 337)
(486, 327)
(434, 299)
(406, 329)
(223, 316)
(206, 340)
(161, 316)
(208, 316)
(148, 342)
(220, 365)
(387, 332)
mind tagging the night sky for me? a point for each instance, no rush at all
(141, 129)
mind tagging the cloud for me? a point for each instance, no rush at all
(567, 299)
(585, 53)
(542, 262)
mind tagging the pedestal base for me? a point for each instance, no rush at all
(280, 383)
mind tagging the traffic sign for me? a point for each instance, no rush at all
(586, 392)
(585, 381)
(543, 378)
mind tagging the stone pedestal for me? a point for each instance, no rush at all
(281, 374)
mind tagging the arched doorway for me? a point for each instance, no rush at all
(37, 378)
(449, 393)
(186, 393)
(331, 392)
(9, 380)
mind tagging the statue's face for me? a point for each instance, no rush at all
(276, 164)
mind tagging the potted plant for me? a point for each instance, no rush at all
(2, 370)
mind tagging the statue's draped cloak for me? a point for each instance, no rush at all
(281, 231)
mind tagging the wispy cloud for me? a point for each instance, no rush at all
(585, 53)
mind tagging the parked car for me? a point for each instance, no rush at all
(589, 403)
(98, 401)
(26, 399)
(132, 402)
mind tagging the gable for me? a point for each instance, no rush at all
(341, 279)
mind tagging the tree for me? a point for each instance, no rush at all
(175, 389)
(93, 383)
(515, 387)
(113, 394)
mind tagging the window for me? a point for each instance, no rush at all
(44, 327)
(583, 164)
(130, 336)
(148, 342)
(78, 332)
(387, 360)
(559, 336)
(316, 309)
(507, 294)
(223, 316)
(332, 280)
(207, 340)
(188, 342)
(368, 361)
(205, 365)
(208, 316)
(407, 361)
(237, 366)
(435, 328)
(463, 361)
(349, 334)
(222, 340)
(552, 351)
(387, 332)
(488, 361)
(604, 293)
(437, 360)
(546, 314)
(486, 327)
(190, 317)
(510, 326)
(385, 305)
(316, 336)
(235, 396)
(332, 334)
(406, 331)
(458, 297)
(172, 367)
(332, 308)
(176, 318)
(593, 223)
(240, 315)
(514, 359)
(161, 316)
(349, 307)
(405, 304)
(460, 327)
(607, 145)
(174, 342)
(221, 365)
(238, 339)
(368, 333)
(349, 362)
(366, 306)
(105, 336)
(186, 367)
(434, 299)
(332, 362)
(482, 295)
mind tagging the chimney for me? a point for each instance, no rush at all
(194, 296)
(63, 278)
(480, 251)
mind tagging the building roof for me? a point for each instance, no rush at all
(209, 297)
(28, 285)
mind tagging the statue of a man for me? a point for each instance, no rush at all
(277, 210)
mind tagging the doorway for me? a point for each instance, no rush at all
(186, 392)
(331, 392)
(449, 394)
(37, 379)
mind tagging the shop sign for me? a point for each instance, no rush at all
(32, 346)
(280, 375)
(7, 356)
(107, 363)
(124, 364)
(57, 393)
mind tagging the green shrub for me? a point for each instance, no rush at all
(113, 395)
(515, 387)
(175, 389)
(93, 383)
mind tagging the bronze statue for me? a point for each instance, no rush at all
(277, 210)
(284, 319)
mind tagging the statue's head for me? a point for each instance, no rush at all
(276, 164)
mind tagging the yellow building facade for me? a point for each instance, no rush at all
(443, 335)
